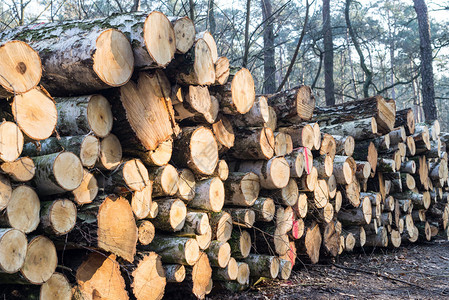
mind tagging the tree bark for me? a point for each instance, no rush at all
(328, 55)
(425, 45)
(268, 47)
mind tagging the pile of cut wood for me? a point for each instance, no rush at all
(133, 163)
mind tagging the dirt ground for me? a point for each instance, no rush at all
(410, 272)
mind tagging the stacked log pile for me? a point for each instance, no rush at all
(140, 165)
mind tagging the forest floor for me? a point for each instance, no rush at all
(417, 271)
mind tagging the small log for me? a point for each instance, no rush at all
(263, 265)
(240, 243)
(264, 209)
(209, 195)
(57, 287)
(344, 169)
(272, 118)
(13, 245)
(273, 174)
(366, 151)
(197, 106)
(363, 170)
(285, 269)
(40, 261)
(165, 180)
(283, 144)
(332, 186)
(219, 254)
(57, 217)
(310, 243)
(78, 116)
(328, 145)
(344, 145)
(110, 153)
(12, 141)
(23, 70)
(411, 146)
(148, 278)
(221, 70)
(224, 133)
(357, 216)
(131, 175)
(230, 272)
(331, 239)
(22, 210)
(157, 157)
(201, 151)
(242, 189)
(324, 166)
(146, 232)
(175, 250)
(100, 275)
(141, 202)
(359, 235)
(406, 118)
(241, 216)
(171, 215)
(302, 135)
(222, 170)
(379, 239)
(257, 116)
(296, 163)
(184, 33)
(186, 185)
(284, 219)
(294, 105)
(256, 143)
(221, 224)
(88, 189)
(408, 167)
(308, 182)
(352, 193)
(20, 170)
(5, 191)
(196, 223)
(175, 273)
(238, 96)
(35, 113)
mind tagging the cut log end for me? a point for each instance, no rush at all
(13, 246)
(201, 276)
(22, 212)
(186, 185)
(21, 170)
(110, 152)
(88, 189)
(184, 34)
(204, 151)
(149, 278)
(40, 261)
(35, 113)
(146, 232)
(113, 59)
(62, 216)
(203, 65)
(56, 288)
(99, 115)
(12, 141)
(20, 67)
(243, 91)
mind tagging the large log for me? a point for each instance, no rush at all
(406, 118)
(143, 113)
(257, 116)
(21, 68)
(361, 129)
(130, 175)
(294, 105)
(302, 135)
(382, 110)
(97, 55)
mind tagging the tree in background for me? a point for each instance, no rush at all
(428, 89)
(269, 65)
(328, 55)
